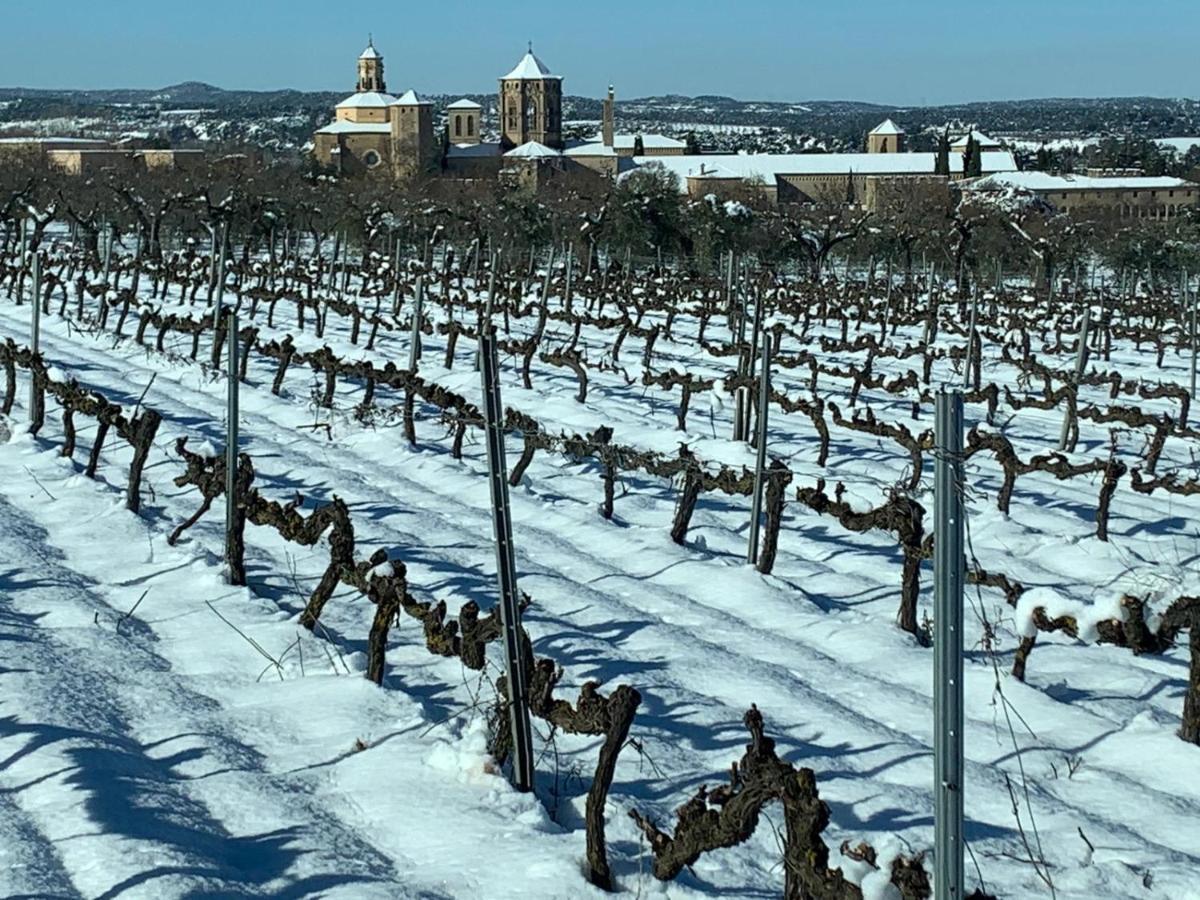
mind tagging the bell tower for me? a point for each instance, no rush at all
(531, 104)
(370, 70)
(886, 137)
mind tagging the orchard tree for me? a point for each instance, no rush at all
(523, 222)
(646, 211)
(716, 226)
(910, 218)
(88, 203)
(1053, 238)
(148, 196)
(815, 228)
(970, 212)
(20, 174)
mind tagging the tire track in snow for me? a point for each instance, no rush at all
(146, 764)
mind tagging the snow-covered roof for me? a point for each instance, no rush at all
(410, 98)
(529, 68)
(715, 173)
(887, 126)
(370, 53)
(769, 165)
(592, 148)
(367, 100)
(980, 138)
(1044, 181)
(472, 150)
(649, 141)
(91, 142)
(532, 150)
(343, 127)
(464, 103)
(94, 151)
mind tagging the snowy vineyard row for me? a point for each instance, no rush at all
(711, 820)
(900, 515)
(1012, 329)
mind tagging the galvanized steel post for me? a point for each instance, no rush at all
(764, 397)
(949, 574)
(516, 677)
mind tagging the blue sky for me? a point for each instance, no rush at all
(904, 51)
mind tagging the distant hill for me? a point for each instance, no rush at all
(176, 96)
(285, 118)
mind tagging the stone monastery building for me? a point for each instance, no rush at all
(374, 130)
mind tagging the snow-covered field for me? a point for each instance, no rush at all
(149, 749)
(1180, 145)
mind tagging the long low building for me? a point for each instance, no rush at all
(91, 156)
(806, 177)
(1130, 196)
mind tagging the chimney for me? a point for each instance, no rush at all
(609, 105)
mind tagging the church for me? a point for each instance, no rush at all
(374, 130)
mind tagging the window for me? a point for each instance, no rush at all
(458, 126)
(1170, 193)
(470, 126)
(371, 159)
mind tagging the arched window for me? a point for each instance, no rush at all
(470, 126)
(458, 126)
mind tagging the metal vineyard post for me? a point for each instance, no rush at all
(949, 571)
(506, 569)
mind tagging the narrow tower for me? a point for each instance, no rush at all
(531, 104)
(462, 122)
(607, 128)
(886, 137)
(370, 70)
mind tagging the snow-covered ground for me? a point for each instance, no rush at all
(1180, 145)
(148, 749)
(1065, 143)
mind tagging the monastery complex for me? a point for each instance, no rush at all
(401, 136)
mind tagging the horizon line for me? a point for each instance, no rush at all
(443, 93)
